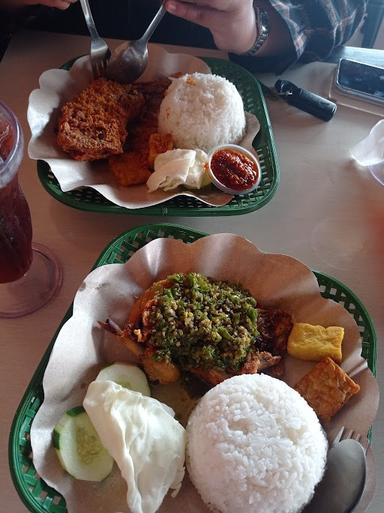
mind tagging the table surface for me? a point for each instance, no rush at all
(327, 213)
(368, 55)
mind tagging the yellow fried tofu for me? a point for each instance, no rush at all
(326, 388)
(309, 342)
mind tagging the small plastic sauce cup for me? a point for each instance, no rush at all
(233, 169)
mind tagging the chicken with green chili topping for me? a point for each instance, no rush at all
(211, 328)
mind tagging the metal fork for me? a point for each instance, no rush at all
(100, 53)
(345, 433)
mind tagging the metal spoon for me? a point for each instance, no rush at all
(343, 481)
(130, 61)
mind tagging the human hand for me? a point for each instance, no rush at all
(231, 22)
(59, 4)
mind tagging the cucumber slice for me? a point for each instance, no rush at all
(125, 375)
(78, 447)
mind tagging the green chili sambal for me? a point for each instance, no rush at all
(198, 322)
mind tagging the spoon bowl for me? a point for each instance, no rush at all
(343, 482)
(128, 63)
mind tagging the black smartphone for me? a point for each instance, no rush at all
(364, 81)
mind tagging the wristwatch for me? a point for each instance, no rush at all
(262, 29)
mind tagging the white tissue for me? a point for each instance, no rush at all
(369, 152)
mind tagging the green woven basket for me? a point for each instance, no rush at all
(33, 491)
(88, 199)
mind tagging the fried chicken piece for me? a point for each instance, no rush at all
(274, 327)
(159, 370)
(158, 143)
(162, 371)
(326, 387)
(147, 123)
(256, 361)
(153, 93)
(125, 336)
(266, 351)
(277, 371)
(93, 125)
(133, 166)
(129, 168)
(144, 302)
(259, 360)
(211, 376)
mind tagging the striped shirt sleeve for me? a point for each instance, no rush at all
(317, 27)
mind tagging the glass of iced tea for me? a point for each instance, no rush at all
(29, 274)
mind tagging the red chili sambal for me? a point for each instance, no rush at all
(234, 169)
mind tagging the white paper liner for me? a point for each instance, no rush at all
(57, 86)
(109, 291)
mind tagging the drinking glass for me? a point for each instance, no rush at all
(29, 274)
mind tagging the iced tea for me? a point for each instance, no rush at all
(15, 219)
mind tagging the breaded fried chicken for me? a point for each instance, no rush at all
(93, 125)
(143, 142)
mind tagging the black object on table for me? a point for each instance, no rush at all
(306, 100)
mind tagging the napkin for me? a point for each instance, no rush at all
(369, 153)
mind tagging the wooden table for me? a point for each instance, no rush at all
(327, 213)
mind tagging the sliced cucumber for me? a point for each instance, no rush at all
(125, 375)
(79, 448)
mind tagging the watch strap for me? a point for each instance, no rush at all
(262, 28)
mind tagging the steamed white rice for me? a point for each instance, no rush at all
(255, 446)
(202, 111)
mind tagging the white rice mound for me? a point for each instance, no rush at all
(254, 445)
(202, 111)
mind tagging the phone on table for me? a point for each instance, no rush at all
(364, 81)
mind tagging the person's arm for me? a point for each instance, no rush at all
(298, 29)
(14, 13)
(17, 4)
(232, 23)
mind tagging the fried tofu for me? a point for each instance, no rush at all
(129, 168)
(327, 388)
(309, 342)
(93, 125)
